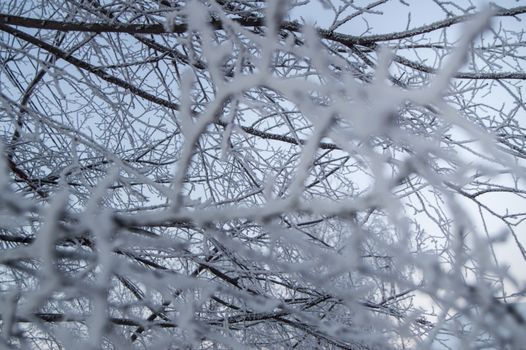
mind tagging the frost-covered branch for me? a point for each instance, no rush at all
(225, 174)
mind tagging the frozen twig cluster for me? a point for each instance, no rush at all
(223, 174)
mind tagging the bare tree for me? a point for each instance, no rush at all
(224, 174)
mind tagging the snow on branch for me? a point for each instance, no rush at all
(225, 174)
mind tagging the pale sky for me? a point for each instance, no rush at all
(425, 12)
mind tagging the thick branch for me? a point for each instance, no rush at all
(139, 92)
(133, 28)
